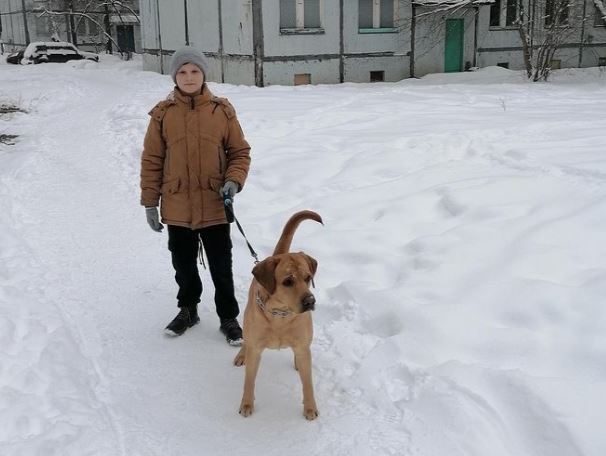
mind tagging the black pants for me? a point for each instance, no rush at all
(183, 244)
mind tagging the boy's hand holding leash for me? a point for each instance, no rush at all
(228, 192)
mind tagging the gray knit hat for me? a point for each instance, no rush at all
(187, 54)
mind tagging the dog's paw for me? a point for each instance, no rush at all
(310, 413)
(240, 358)
(246, 410)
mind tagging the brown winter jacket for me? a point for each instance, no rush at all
(192, 146)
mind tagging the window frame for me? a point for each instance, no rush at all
(504, 6)
(598, 19)
(562, 24)
(376, 19)
(300, 28)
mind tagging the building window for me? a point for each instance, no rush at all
(556, 64)
(82, 26)
(511, 13)
(504, 13)
(602, 61)
(599, 18)
(302, 79)
(503, 65)
(495, 14)
(377, 76)
(300, 14)
(556, 12)
(376, 15)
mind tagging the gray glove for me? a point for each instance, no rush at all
(229, 188)
(153, 219)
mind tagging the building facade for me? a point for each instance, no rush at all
(87, 24)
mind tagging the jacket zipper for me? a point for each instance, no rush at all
(221, 155)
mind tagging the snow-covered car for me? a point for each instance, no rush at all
(15, 57)
(52, 51)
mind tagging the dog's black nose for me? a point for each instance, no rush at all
(308, 302)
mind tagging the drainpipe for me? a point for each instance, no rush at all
(25, 26)
(159, 37)
(476, 16)
(413, 25)
(108, 28)
(258, 51)
(582, 33)
(186, 23)
(341, 45)
(72, 25)
(221, 56)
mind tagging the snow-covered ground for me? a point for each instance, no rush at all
(461, 282)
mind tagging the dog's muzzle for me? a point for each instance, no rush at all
(308, 303)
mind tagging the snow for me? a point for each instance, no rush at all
(460, 285)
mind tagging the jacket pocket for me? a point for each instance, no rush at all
(171, 186)
(215, 183)
(222, 159)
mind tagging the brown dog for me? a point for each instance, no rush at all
(277, 314)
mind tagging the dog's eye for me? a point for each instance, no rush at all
(288, 282)
(307, 279)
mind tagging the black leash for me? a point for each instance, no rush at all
(231, 217)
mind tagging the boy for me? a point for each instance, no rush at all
(194, 153)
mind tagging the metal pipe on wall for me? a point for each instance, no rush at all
(159, 37)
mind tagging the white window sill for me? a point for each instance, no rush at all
(371, 31)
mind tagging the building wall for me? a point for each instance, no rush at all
(277, 43)
(356, 42)
(13, 31)
(323, 49)
(237, 27)
(430, 41)
(234, 43)
(357, 69)
(319, 53)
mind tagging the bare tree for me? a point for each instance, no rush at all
(544, 26)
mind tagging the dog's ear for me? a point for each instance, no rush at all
(313, 264)
(264, 272)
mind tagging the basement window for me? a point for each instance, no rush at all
(503, 65)
(377, 76)
(602, 61)
(556, 64)
(302, 79)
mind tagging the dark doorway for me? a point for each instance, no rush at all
(126, 37)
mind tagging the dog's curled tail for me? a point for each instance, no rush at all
(283, 245)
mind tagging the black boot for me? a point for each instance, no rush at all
(232, 331)
(186, 318)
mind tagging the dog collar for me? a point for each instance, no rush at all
(272, 312)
